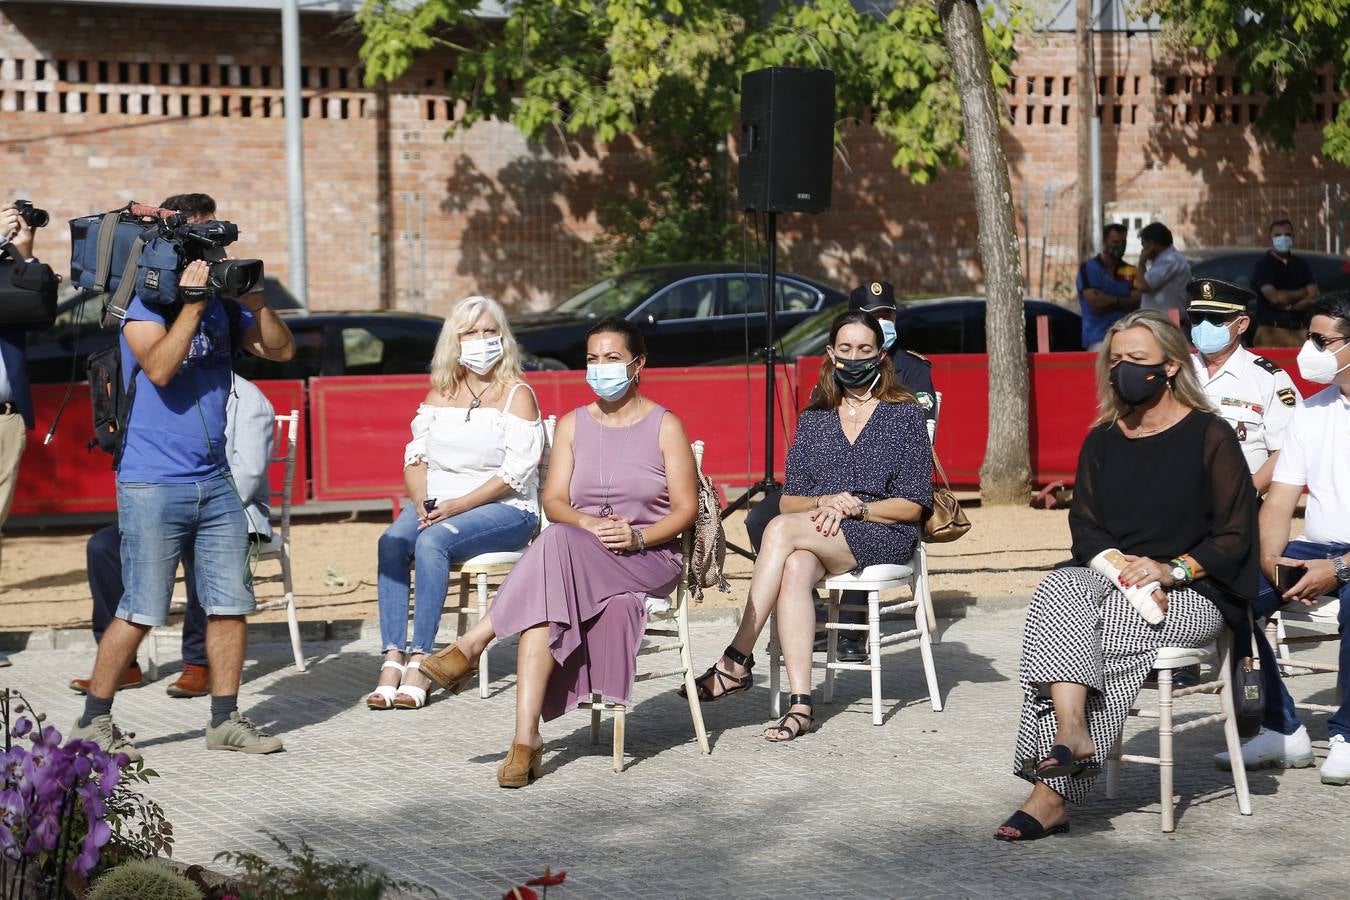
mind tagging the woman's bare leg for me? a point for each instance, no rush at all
(473, 642)
(1044, 805)
(797, 632)
(534, 664)
(785, 535)
(1070, 701)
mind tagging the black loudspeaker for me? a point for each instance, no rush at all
(787, 140)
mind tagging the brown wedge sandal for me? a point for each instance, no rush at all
(449, 668)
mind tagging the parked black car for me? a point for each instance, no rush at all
(49, 351)
(934, 326)
(352, 343)
(1235, 264)
(691, 313)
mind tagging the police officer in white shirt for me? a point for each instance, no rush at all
(1250, 392)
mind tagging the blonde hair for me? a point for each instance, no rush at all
(1185, 386)
(446, 370)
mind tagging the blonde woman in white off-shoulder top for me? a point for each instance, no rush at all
(472, 470)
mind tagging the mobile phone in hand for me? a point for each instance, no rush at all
(1288, 576)
(429, 504)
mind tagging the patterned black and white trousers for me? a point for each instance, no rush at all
(1081, 629)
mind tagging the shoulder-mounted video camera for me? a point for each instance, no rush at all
(143, 250)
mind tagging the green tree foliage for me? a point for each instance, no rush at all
(1280, 48)
(667, 74)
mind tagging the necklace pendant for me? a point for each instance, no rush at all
(853, 412)
(473, 404)
(606, 511)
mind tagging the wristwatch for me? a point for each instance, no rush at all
(1342, 570)
(1179, 573)
(863, 515)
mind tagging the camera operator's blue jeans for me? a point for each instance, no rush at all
(490, 528)
(1280, 715)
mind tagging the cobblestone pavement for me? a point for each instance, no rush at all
(907, 809)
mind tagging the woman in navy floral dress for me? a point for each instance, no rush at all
(859, 483)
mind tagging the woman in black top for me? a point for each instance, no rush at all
(1161, 480)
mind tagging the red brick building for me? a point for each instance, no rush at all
(103, 102)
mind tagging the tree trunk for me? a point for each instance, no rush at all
(1005, 476)
(1087, 97)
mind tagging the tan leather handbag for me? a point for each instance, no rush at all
(948, 521)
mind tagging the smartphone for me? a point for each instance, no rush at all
(429, 504)
(1288, 576)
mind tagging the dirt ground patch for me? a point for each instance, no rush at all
(43, 583)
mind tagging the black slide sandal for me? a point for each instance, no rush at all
(1028, 828)
(737, 685)
(1065, 766)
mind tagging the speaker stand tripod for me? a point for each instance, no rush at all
(768, 485)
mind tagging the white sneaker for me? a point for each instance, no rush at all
(1270, 749)
(1336, 770)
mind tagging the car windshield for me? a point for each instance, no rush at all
(809, 336)
(611, 297)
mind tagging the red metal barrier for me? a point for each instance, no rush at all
(358, 425)
(66, 477)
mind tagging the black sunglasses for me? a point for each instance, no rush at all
(1213, 318)
(1321, 342)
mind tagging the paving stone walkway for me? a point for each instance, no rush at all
(904, 810)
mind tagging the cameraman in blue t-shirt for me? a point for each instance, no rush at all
(174, 491)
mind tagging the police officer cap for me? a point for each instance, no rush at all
(872, 295)
(1210, 295)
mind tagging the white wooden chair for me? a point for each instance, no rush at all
(921, 559)
(478, 573)
(1325, 613)
(873, 580)
(666, 632)
(277, 549)
(1170, 659)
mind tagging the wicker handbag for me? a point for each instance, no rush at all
(948, 521)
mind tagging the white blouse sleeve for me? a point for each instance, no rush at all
(416, 450)
(524, 445)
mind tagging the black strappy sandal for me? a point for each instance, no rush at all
(805, 722)
(702, 683)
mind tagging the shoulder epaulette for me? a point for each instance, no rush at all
(920, 357)
(1267, 365)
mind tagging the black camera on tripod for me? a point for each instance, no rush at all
(177, 242)
(34, 217)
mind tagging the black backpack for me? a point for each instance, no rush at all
(27, 291)
(110, 402)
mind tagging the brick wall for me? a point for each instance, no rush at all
(101, 105)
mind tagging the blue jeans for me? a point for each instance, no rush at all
(1280, 714)
(103, 558)
(203, 521)
(490, 528)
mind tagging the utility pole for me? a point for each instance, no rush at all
(295, 151)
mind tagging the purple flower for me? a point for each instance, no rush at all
(22, 726)
(48, 831)
(49, 736)
(11, 805)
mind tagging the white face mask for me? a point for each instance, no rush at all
(480, 356)
(1319, 366)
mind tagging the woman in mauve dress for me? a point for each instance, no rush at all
(621, 489)
(859, 482)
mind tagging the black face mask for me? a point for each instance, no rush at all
(855, 373)
(1137, 383)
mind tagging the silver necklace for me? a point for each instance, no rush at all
(477, 399)
(605, 509)
(854, 404)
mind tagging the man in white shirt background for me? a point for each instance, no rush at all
(1316, 455)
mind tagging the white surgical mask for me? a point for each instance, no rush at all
(887, 333)
(1319, 366)
(1282, 243)
(608, 380)
(480, 356)
(1210, 339)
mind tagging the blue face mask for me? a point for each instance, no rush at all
(608, 380)
(887, 333)
(1210, 338)
(1283, 243)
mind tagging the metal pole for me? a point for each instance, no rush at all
(295, 150)
(1095, 151)
(771, 354)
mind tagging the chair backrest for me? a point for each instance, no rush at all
(288, 428)
(550, 426)
(937, 410)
